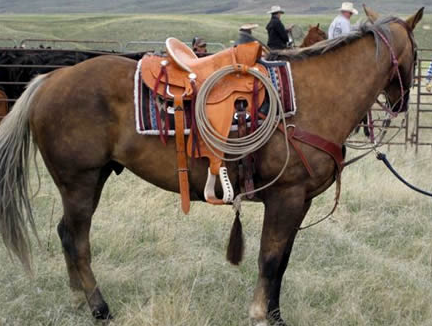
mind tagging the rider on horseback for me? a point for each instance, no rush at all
(341, 25)
(277, 33)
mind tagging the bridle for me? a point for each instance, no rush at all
(387, 106)
(404, 90)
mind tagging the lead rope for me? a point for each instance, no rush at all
(382, 157)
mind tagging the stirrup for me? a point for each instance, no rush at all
(209, 191)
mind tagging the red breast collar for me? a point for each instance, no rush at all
(332, 149)
(303, 136)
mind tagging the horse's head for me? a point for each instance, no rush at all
(314, 35)
(317, 33)
(403, 45)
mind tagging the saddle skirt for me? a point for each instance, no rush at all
(181, 62)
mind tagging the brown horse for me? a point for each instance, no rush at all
(82, 121)
(314, 35)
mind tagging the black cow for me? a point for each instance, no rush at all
(50, 59)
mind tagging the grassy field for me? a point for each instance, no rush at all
(124, 28)
(371, 264)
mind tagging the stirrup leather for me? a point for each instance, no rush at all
(209, 191)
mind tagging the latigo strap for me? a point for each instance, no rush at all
(181, 154)
(246, 164)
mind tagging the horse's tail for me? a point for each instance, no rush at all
(15, 148)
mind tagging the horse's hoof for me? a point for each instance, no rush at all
(262, 323)
(275, 319)
(280, 323)
(102, 312)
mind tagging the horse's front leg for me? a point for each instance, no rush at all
(284, 213)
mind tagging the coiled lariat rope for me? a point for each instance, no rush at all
(239, 148)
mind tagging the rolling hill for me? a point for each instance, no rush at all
(197, 6)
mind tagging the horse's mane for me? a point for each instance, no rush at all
(366, 28)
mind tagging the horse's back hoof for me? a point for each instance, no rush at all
(102, 313)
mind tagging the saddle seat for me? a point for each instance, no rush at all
(246, 54)
(181, 53)
(181, 64)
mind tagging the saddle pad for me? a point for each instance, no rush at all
(145, 108)
(146, 118)
(282, 79)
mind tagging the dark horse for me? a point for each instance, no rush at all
(82, 121)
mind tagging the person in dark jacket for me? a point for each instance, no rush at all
(277, 34)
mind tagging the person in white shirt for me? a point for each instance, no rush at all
(341, 25)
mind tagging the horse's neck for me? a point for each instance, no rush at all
(335, 90)
(307, 41)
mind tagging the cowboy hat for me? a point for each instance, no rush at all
(276, 9)
(248, 27)
(348, 6)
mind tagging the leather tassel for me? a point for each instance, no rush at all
(235, 248)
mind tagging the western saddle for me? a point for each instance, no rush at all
(179, 76)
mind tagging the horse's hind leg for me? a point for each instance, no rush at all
(74, 279)
(284, 212)
(80, 199)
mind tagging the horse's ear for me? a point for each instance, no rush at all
(317, 26)
(414, 19)
(372, 15)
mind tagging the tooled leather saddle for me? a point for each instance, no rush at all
(179, 76)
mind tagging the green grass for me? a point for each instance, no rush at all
(124, 28)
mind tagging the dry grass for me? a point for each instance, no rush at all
(369, 265)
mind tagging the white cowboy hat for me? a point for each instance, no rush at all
(275, 9)
(348, 6)
(248, 27)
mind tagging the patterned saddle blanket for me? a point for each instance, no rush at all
(146, 108)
